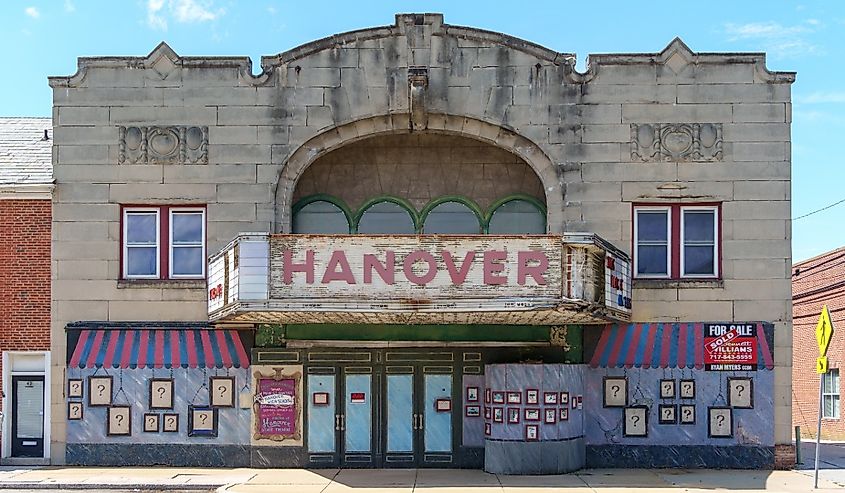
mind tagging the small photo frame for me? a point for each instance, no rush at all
(119, 421)
(320, 399)
(74, 411)
(687, 389)
(221, 391)
(719, 422)
(563, 414)
(74, 388)
(170, 423)
(472, 394)
(667, 414)
(687, 414)
(488, 412)
(531, 433)
(579, 401)
(564, 398)
(550, 398)
(99, 391)
(488, 396)
(532, 397)
(498, 397)
(615, 392)
(532, 414)
(151, 423)
(667, 389)
(513, 415)
(550, 416)
(741, 393)
(636, 421)
(443, 405)
(487, 429)
(514, 398)
(498, 415)
(472, 411)
(202, 421)
(161, 393)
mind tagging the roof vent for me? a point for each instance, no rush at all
(46, 137)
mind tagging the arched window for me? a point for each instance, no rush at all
(451, 218)
(517, 216)
(320, 217)
(386, 217)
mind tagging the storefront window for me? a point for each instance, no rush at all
(451, 218)
(320, 217)
(517, 217)
(386, 218)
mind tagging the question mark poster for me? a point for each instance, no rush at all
(99, 391)
(615, 392)
(161, 393)
(202, 421)
(119, 421)
(222, 390)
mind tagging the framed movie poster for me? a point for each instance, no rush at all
(487, 429)
(221, 391)
(202, 421)
(532, 396)
(488, 396)
(532, 414)
(564, 414)
(488, 412)
(498, 415)
(119, 422)
(170, 423)
(161, 393)
(498, 397)
(550, 416)
(531, 434)
(472, 411)
(513, 415)
(151, 423)
(74, 411)
(99, 391)
(564, 398)
(74, 388)
(472, 394)
(514, 397)
(615, 392)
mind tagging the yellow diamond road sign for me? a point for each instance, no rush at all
(821, 364)
(824, 331)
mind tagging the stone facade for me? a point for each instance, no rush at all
(168, 129)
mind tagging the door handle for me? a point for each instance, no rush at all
(415, 421)
(342, 422)
(337, 422)
(421, 421)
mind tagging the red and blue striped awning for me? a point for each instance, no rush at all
(662, 345)
(159, 348)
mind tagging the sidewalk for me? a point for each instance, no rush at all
(400, 480)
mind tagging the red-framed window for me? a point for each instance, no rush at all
(162, 242)
(677, 241)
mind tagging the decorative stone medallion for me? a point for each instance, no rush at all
(687, 142)
(169, 145)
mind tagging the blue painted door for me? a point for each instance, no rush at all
(357, 419)
(436, 419)
(323, 419)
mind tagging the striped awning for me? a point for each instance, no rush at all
(159, 348)
(662, 345)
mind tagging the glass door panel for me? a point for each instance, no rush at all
(322, 418)
(359, 414)
(400, 414)
(437, 423)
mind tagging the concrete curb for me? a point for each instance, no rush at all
(111, 486)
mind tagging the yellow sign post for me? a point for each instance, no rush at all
(824, 332)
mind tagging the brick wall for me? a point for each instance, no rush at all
(24, 275)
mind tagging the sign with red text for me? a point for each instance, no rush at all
(730, 347)
(416, 268)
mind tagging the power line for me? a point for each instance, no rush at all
(819, 210)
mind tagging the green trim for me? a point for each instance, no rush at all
(383, 332)
(511, 198)
(482, 225)
(323, 197)
(415, 218)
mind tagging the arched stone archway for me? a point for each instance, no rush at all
(339, 136)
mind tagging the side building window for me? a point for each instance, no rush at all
(676, 241)
(163, 242)
(830, 394)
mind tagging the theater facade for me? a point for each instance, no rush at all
(423, 245)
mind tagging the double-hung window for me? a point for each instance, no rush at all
(830, 394)
(676, 241)
(164, 242)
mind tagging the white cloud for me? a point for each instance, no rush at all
(69, 6)
(181, 11)
(32, 12)
(779, 40)
(271, 10)
(822, 97)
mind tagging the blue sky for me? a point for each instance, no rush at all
(44, 38)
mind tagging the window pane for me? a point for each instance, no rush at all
(141, 227)
(320, 217)
(651, 226)
(451, 218)
(187, 261)
(698, 260)
(698, 226)
(141, 261)
(187, 227)
(517, 217)
(386, 218)
(651, 259)
(828, 406)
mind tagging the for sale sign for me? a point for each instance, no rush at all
(730, 347)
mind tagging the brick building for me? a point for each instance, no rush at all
(26, 184)
(423, 245)
(817, 282)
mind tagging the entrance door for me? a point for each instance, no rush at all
(341, 417)
(27, 416)
(418, 416)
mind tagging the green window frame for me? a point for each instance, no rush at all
(470, 204)
(305, 201)
(541, 209)
(404, 204)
